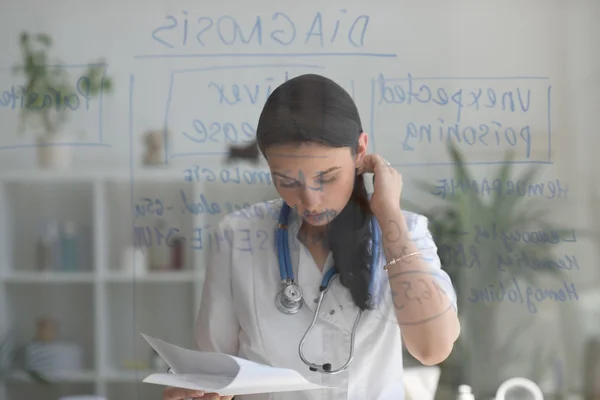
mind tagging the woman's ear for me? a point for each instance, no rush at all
(361, 150)
(363, 142)
(359, 164)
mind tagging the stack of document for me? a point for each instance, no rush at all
(221, 373)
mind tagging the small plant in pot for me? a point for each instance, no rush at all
(49, 96)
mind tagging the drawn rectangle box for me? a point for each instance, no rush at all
(14, 98)
(212, 132)
(412, 118)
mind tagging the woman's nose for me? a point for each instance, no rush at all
(310, 198)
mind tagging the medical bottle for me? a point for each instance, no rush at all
(48, 247)
(465, 393)
(69, 246)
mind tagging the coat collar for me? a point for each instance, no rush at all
(309, 277)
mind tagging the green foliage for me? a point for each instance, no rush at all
(49, 94)
(463, 220)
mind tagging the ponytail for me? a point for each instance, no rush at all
(349, 238)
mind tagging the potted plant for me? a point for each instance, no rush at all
(465, 223)
(49, 96)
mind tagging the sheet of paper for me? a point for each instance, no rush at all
(222, 373)
(186, 361)
(209, 381)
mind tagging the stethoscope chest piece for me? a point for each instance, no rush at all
(289, 299)
(293, 293)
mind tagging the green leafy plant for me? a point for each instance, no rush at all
(11, 359)
(466, 219)
(480, 240)
(49, 95)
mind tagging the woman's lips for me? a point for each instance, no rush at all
(323, 215)
(317, 216)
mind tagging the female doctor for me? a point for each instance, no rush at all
(356, 271)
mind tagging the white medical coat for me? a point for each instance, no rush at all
(238, 315)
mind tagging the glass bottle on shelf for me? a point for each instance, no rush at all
(159, 251)
(68, 247)
(48, 247)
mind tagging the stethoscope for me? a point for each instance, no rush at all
(289, 298)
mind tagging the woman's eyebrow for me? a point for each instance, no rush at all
(321, 173)
(318, 174)
(281, 175)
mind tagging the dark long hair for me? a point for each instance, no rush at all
(313, 108)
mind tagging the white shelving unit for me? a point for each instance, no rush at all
(101, 307)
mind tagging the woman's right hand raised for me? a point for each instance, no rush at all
(173, 393)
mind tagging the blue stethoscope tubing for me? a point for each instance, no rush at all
(289, 299)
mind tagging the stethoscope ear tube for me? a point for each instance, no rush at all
(326, 368)
(289, 298)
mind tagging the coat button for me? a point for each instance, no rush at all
(331, 312)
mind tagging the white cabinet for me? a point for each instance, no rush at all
(98, 302)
